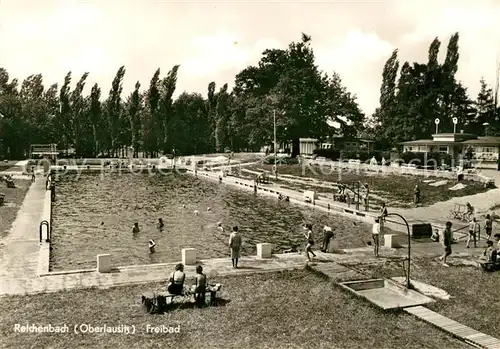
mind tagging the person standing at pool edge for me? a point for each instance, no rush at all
(376, 236)
(447, 237)
(235, 242)
(310, 241)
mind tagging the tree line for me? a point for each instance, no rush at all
(411, 98)
(285, 83)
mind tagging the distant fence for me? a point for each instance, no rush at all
(396, 169)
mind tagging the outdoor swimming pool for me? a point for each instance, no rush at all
(94, 214)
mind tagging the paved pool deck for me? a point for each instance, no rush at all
(19, 251)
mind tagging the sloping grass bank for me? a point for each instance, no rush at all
(281, 310)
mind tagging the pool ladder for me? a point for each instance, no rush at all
(49, 231)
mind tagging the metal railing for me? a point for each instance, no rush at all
(49, 233)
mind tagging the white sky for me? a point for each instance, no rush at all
(213, 40)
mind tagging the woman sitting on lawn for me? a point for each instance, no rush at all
(490, 254)
(176, 281)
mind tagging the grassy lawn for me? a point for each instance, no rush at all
(396, 190)
(474, 293)
(13, 199)
(280, 310)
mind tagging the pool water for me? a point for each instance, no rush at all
(94, 214)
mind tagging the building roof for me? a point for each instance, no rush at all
(452, 134)
(418, 142)
(481, 140)
(484, 140)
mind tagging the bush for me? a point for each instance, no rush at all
(281, 160)
(432, 158)
(333, 154)
(363, 156)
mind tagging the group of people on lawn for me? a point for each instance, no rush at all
(176, 283)
(490, 253)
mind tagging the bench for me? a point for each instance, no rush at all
(158, 302)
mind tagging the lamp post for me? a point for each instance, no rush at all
(275, 147)
(408, 283)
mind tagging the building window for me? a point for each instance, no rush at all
(409, 148)
(485, 153)
(443, 149)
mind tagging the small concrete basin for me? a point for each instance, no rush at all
(386, 294)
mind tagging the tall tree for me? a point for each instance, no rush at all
(134, 109)
(385, 114)
(484, 111)
(168, 85)
(449, 69)
(78, 113)
(221, 117)
(113, 107)
(211, 105)
(150, 115)
(95, 117)
(63, 117)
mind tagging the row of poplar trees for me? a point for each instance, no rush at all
(150, 121)
(412, 96)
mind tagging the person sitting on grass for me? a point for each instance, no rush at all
(497, 237)
(200, 286)
(176, 280)
(489, 254)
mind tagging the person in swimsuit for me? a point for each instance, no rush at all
(488, 225)
(376, 236)
(135, 229)
(200, 286)
(160, 224)
(447, 240)
(152, 245)
(176, 280)
(310, 241)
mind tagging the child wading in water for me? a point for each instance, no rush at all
(310, 241)
(152, 246)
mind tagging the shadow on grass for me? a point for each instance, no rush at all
(219, 302)
(247, 267)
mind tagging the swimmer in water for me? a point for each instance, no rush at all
(183, 206)
(152, 246)
(209, 209)
(135, 229)
(196, 212)
(160, 224)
